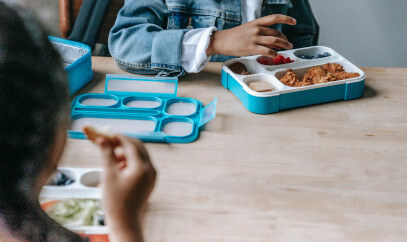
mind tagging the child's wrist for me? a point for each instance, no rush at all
(126, 230)
(210, 50)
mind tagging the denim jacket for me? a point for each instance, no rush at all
(148, 35)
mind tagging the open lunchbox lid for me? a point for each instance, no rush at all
(141, 86)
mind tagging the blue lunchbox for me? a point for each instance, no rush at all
(285, 97)
(77, 61)
(141, 107)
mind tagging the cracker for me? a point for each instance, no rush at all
(93, 133)
(261, 86)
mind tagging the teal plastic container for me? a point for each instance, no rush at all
(285, 97)
(141, 107)
(77, 60)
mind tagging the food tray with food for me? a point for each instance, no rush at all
(295, 78)
(72, 197)
(76, 58)
(142, 107)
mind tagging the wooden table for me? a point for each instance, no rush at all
(336, 171)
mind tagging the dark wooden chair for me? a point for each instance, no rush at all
(68, 12)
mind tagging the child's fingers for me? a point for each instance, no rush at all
(132, 150)
(107, 152)
(274, 42)
(275, 19)
(262, 50)
(265, 31)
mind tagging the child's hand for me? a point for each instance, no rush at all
(127, 182)
(252, 38)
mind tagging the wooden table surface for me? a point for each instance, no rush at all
(329, 172)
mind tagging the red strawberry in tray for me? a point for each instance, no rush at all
(288, 60)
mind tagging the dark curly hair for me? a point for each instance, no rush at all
(33, 103)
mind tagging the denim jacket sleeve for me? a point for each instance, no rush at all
(140, 43)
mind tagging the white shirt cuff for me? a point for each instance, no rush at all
(194, 45)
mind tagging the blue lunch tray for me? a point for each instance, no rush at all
(77, 61)
(141, 107)
(285, 97)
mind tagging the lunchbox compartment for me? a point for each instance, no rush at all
(273, 66)
(142, 102)
(181, 107)
(250, 63)
(313, 51)
(92, 232)
(178, 127)
(115, 123)
(91, 179)
(347, 66)
(70, 174)
(276, 85)
(98, 100)
(85, 185)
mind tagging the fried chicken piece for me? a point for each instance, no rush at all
(239, 68)
(316, 75)
(345, 75)
(332, 68)
(290, 78)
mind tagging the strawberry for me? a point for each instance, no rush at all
(288, 60)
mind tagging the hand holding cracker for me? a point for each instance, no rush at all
(93, 133)
(125, 189)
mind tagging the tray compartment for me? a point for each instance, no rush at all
(181, 107)
(347, 66)
(273, 67)
(116, 123)
(250, 63)
(276, 84)
(98, 100)
(70, 174)
(91, 179)
(142, 102)
(313, 51)
(92, 232)
(178, 127)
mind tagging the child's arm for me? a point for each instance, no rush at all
(127, 182)
(140, 43)
(252, 38)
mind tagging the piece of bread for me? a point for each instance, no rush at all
(261, 86)
(92, 133)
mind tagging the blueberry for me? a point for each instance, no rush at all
(61, 176)
(101, 220)
(60, 182)
(326, 54)
(319, 56)
(68, 182)
(306, 57)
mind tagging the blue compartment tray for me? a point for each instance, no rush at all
(141, 107)
(285, 97)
